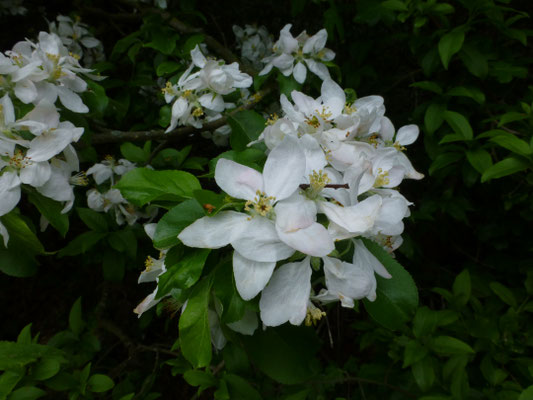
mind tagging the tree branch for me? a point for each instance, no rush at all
(116, 136)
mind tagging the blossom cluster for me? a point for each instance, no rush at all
(326, 157)
(77, 38)
(254, 43)
(198, 96)
(294, 55)
(36, 149)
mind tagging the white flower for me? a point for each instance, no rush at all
(108, 168)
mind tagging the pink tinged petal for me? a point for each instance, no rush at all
(284, 169)
(407, 135)
(363, 257)
(313, 240)
(318, 69)
(348, 282)
(25, 91)
(215, 232)
(247, 324)
(387, 129)
(197, 57)
(316, 42)
(333, 97)
(260, 242)
(36, 174)
(300, 72)
(355, 219)
(71, 100)
(295, 213)
(4, 233)
(251, 276)
(238, 180)
(285, 297)
(146, 304)
(9, 192)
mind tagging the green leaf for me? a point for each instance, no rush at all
(425, 322)
(134, 153)
(434, 117)
(424, 373)
(504, 293)
(462, 288)
(16, 355)
(250, 157)
(163, 39)
(397, 298)
(480, 159)
(8, 381)
(452, 137)
(124, 241)
(475, 62)
(459, 124)
(239, 388)
(286, 353)
(94, 220)
(21, 233)
(24, 336)
(413, 353)
(450, 44)
(184, 273)
(194, 334)
(233, 305)
(167, 67)
(45, 369)
(287, 84)
(200, 378)
(27, 393)
(80, 244)
(95, 97)
(527, 394)
(448, 345)
(428, 85)
(51, 210)
(174, 221)
(511, 116)
(75, 320)
(246, 126)
(124, 44)
(100, 383)
(14, 262)
(512, 143)
(394, 5)
(472, 92)
(505, 167)
(142, 185)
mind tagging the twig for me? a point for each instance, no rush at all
(116, 136)
(329, 185)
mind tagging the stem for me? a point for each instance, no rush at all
(329, 185)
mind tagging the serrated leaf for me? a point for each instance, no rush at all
(51, 210)
(397, 298)
(167, 67)
(475, 62)
(443, 160)
(413, 353)
(505, 294)
(75, 320)
(479, 159)
(246, 126)
(462, 288)
(94, 220)
(82, 243)
(448, 345)
(98, 383)
(134, 153)
(143, 185)
(450, 44)
(434, 117)
(428, 85)
(27, 393)
(174, 221)
(472, 92)
(20, 232)
(512, 143)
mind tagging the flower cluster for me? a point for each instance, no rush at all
(36, 149)
(326, 157)
(109, 199)
(294, 55)
(77, 39)
(199, 95)
(254, 43)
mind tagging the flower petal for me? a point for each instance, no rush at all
(299, 72)
(313, 240)
(9, 192)
(238, 180)
(251, 276)
(286, 295)
(214, 232)
(355, 219)
(407, 134)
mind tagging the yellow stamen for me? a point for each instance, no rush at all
(272, 120)
(313, 315)
(262, 204)
(198, 112)
(382, 179)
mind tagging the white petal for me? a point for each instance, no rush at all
(260, 242)
(387, 129)
(247, 325)
(251, 276)
(316, 42)
(4, 233)
(214, 232)
(49, 144)
(355, 219)
(318, 69)
(299, 72)
(212, 102)
(9, 192)
(197, 57)
(315, 159)
(36, 174)
(284, 169)
(285, 297)
(217, 336)
(333, 97)
(362, 256)
(295, 213)
(407, 134)
(25, 91)
(313, 240)
(71, 100)
(238, 180)
(8, 111)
